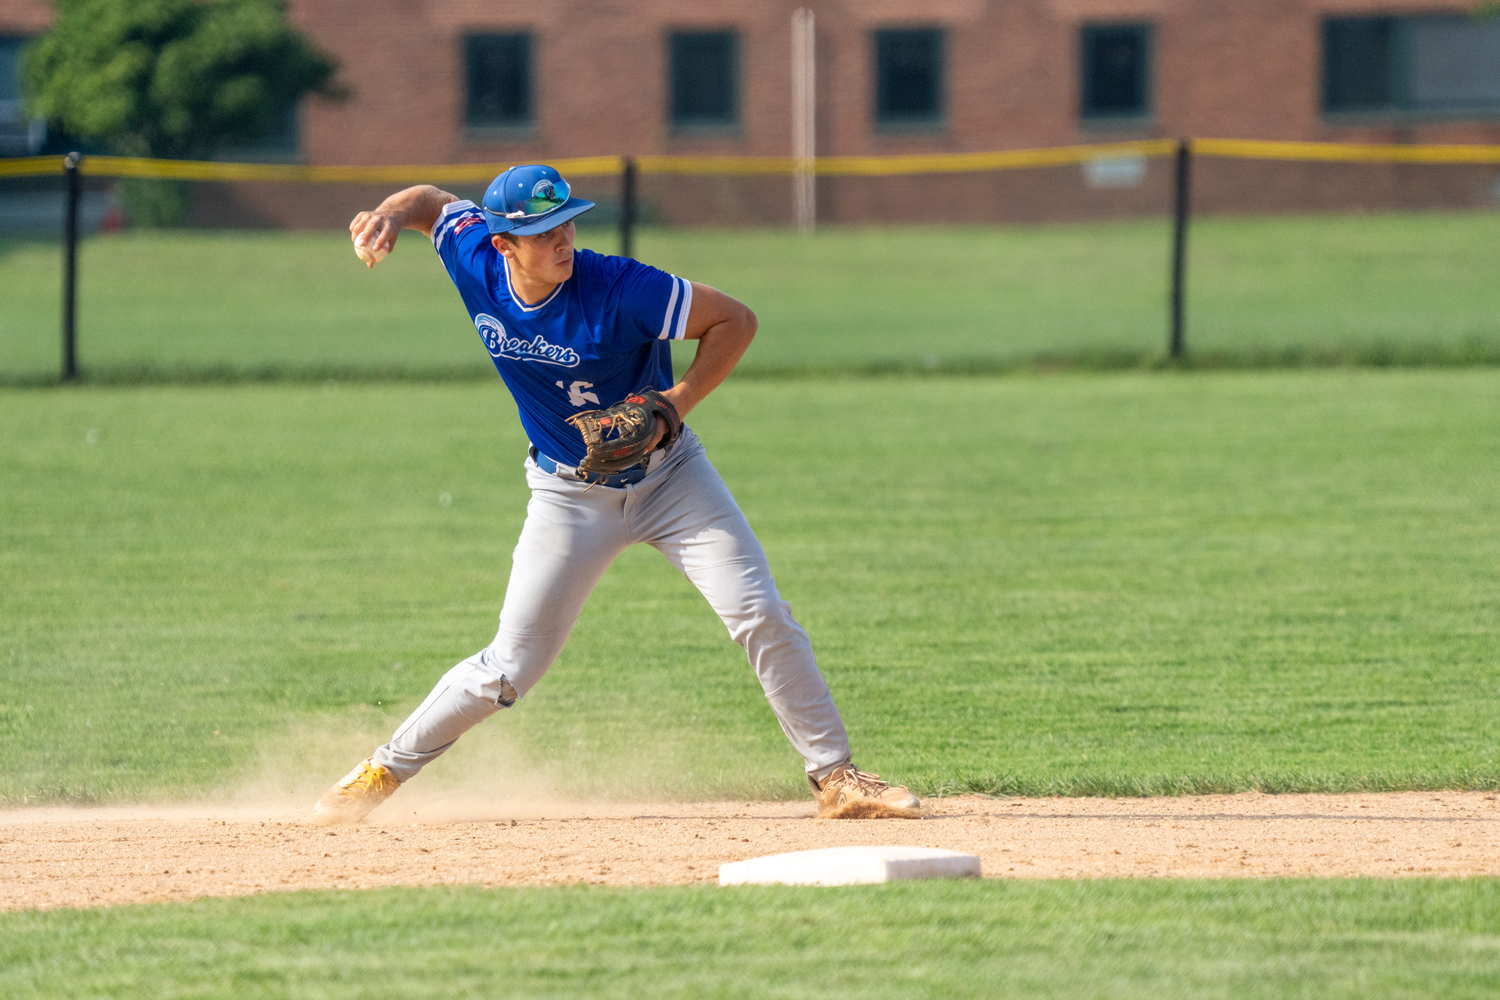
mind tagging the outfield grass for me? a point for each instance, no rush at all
(1370, 287)
(1075, 584)
(1117, 939)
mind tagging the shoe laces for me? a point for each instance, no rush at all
(364, 779)
(870, 784)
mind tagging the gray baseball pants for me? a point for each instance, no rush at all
(571, 535)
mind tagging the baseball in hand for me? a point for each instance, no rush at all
(370, 255)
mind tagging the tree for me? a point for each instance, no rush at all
(171, 78)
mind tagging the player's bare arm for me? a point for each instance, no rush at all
(723, 326)
(413, 208)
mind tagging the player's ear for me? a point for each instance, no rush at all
(504, 246)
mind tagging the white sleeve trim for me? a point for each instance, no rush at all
(674, 324)
(666, 322)
(449, 217)
(687, 306)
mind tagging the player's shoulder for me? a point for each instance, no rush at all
(608, 271)
(456, 219)
(600, 274)
(592, 265)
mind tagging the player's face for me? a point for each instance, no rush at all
(546, 258)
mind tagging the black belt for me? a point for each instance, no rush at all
(618, 479)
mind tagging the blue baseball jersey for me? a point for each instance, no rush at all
(599, 336)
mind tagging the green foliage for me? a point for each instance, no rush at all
(171, 78)
(1129, 939)
(155, 204)
(1113, 584)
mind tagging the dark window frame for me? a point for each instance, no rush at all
(1399, 103)
(16, 139)
(1088, 36)
(480, 122)
(20, 42)
(1336, 35)
(681, 119)
(887, 120)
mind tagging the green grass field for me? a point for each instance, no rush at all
(1106, 583)
(1080, 584)
(1268, 290)
(1146, 939)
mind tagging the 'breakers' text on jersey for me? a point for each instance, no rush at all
(501, 346)
(610, 324)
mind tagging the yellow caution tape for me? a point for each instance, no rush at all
(31, 166)
(919, 163)
(715, 164)
(832, 166)
(202, 170)
(1340, 152)
(1010, 159)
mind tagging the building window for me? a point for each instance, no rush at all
(705, 77)
(1116, 71)
(909, 77)
(18, 135)
(1421, 65)
(498, 70)
(1357, 64)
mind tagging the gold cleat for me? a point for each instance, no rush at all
(359, 791)
(849, 793)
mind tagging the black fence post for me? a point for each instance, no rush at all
(627, 208)
(70, 268)
(1181, 210)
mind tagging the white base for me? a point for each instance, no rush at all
(850, 866)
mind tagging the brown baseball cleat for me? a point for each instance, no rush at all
(849, 793)
(359, 791)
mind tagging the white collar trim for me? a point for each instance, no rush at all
(517, 299)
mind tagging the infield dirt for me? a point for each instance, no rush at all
(51, 857)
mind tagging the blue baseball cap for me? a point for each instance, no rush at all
(529, 200)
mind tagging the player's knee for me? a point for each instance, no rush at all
(481, 678)
(458, 673)
(770, 625)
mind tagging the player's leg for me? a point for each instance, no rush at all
(692, 519)
(695, 522)
(570, 537)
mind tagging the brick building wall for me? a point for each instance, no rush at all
(24, 18)
(1012, 79)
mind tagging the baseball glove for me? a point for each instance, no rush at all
(618, 438)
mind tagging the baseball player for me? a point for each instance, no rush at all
(572, 332)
